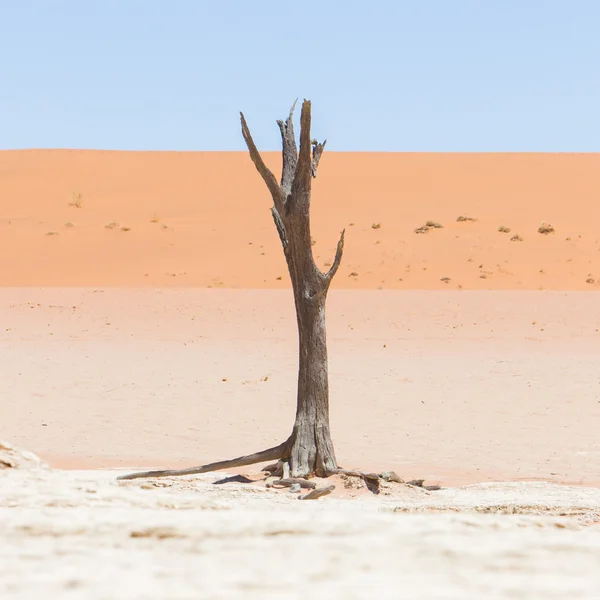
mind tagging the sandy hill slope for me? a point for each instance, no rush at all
(95, 218)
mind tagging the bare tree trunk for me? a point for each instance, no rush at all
(309, 449)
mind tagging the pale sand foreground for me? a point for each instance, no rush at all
(453, 387)
(202, 219)
(81, 534)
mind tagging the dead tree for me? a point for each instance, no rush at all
(309, 449)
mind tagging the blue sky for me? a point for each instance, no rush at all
(461, 75)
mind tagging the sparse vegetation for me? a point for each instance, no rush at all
(545, 229)
(52, 233)
(68, 225)
(462, 219)
(590, 280)
(155, 219)
(445, 279)
(77, 201)
(125, 228)
(112, 225)
(516, 238)
(428, 225)
(503, 229)
(376, 226)
(353, 274)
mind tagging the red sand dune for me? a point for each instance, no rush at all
(202, 219)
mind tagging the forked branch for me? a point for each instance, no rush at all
(250, 459)
(289, 151)
(265, 172)
(338, 258)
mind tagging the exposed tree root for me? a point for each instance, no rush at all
(281, 470)
(318, 492)
(242, 461)
(290, 481)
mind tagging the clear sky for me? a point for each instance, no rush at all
(445, 75)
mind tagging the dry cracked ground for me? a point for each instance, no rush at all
(82, 534)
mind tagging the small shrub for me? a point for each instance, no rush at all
(52, 233)
(69, 225)
(353, 274)
(125, 228)
(503, 229)
(463, 219)
(516, 238)
(77, 201)
(376, 226)
(154, 219)
(428, 225)
(590, 280)
(112, 225)
(545, 229)
(445, 279)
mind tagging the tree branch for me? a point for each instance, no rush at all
(265, 172)
(302, 179)
(289, 151)
(338, 258)
(316, 155)
(280, 228)
(242, 461)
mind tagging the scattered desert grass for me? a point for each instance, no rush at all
(52, 233)
(546, 228)
(376, 226)
(503, 229)
(68, 225)
(353, 274)
(445, 279)
(462, 219)
(112, 225)
(77, 201)
(516, 238)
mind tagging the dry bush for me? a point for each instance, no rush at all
(516, 238)
(112, 225)
(545, 229)
(503, 229)
(462, 219)
(77, 201)
(428, 225)
(376, 226)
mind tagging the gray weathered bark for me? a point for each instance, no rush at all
(309, 449)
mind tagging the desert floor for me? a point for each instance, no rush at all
(167, 339)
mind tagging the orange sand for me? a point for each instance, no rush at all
(202, 219)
